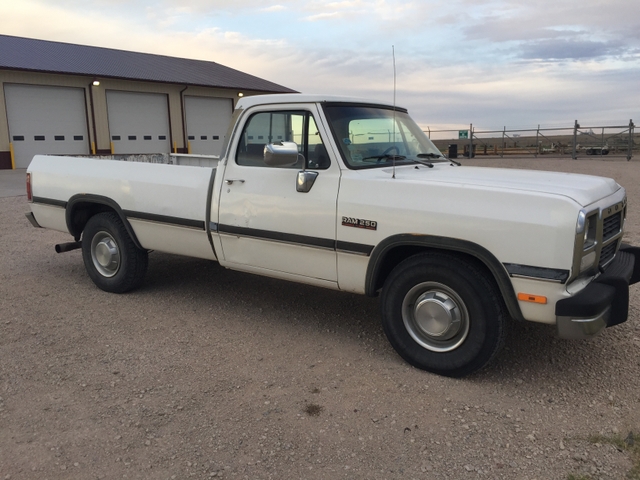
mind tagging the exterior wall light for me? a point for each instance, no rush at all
(240, 94)
(96, 83)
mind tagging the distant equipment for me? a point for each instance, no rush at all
(604, 150)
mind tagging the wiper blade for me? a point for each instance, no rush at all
(435, 155)
(422, 162)
(429, 155)
(385, 157)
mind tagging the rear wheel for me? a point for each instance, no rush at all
(112, 260)
(443, 314)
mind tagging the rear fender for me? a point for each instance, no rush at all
(81, 207)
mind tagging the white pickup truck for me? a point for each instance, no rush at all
(351, 195)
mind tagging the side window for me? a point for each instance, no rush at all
(272, 127)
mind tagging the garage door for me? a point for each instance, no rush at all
(138, 122)
(46, 120)
(207, 122)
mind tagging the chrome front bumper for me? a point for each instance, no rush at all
(580, 328)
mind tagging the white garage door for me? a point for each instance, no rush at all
(46, 120)
(207, 122)
(138, 122)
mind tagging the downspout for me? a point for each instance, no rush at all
(94, 144)
(184, 120)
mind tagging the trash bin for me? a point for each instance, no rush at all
(453, 150)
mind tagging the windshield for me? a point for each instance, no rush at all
(375, 136)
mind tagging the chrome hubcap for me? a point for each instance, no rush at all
(435, 316)
(105, 254)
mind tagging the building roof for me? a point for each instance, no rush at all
(18, 53)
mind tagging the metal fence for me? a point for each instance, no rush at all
(613, 140)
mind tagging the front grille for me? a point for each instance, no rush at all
(607, 253)
(611, 226)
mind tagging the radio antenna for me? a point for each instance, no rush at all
(393, 54)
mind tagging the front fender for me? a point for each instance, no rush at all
(389, 252)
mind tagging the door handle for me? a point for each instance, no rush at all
(229, 181)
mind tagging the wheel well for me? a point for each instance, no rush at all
(393, 258)
(388, 258)
(81, 212)
(401, 253)
(82, 207)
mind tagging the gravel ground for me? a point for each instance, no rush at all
(208, 373)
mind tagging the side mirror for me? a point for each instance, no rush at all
(281, 154)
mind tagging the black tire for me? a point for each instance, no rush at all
(443, 314)
(112, 260)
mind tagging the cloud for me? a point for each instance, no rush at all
(564, 49)
(274, 8)
(555, 29)
(375, 15)
(323, 16)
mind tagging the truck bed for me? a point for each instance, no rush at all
(166, 205)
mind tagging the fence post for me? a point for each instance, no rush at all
(504, 131)
(576, 126)
(630, 148)
(537, 144)
(471, 140)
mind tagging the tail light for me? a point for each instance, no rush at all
(29, 193)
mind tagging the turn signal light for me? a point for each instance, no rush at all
(527, 297)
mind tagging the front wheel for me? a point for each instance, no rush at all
(443, 314)
(111, 259)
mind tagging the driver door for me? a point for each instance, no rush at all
(265, 224)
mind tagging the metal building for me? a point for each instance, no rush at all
(60, 98)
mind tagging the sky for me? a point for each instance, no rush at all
(494, 64)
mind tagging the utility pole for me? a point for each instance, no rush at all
(576, 126)
(630, 147)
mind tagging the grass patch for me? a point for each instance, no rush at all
(630, 444)
(313, 410)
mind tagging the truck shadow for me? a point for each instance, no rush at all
(207, 285)
(533, 354)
